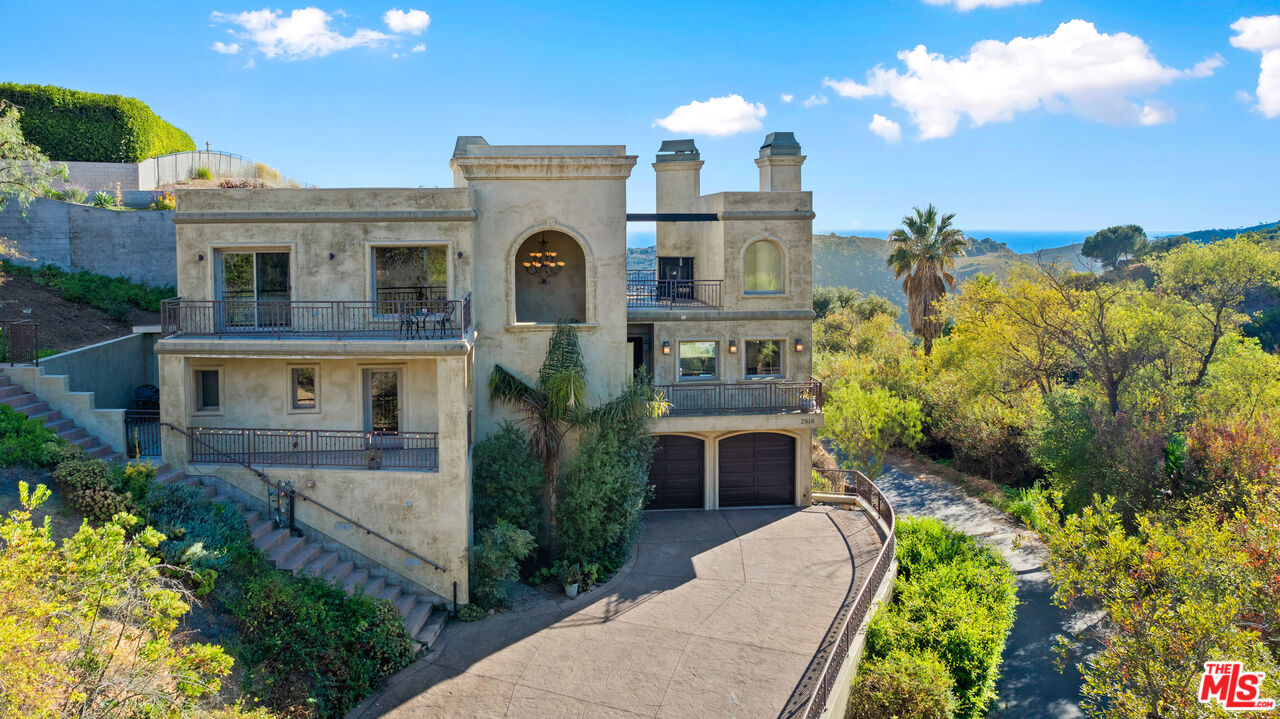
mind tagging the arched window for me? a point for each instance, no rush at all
(762, 268)
(550, 279)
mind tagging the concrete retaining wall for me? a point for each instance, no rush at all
(139, 245)
(155, 171)
(111, 369)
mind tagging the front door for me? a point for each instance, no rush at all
(382, 400)
(255, 289)
(675, 278)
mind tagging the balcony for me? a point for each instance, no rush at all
(645, 290)
(315, 448)
(762, 397)
(383, 319)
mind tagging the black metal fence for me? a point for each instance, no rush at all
(19, 341)
(810, 698)
(315, 447)
(651, 292)
(763, 397)
(142, 432)
(340, 319)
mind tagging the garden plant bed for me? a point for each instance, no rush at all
(64, 325)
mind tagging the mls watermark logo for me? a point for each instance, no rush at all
(1233, 687)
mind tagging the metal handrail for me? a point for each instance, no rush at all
(340, 319)
(674, 293)
(810, 697)
(266, 480)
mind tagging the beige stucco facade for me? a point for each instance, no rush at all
(229, 360)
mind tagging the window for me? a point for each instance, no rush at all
(410, 273)
(762, 268)
(208, 391)
(697, 360)
(303, 388)
(764, 358)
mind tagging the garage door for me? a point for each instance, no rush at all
(676, 474)
(757, 469)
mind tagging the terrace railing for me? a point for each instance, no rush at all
(648, 291)
(396, 319)
(810, 697)
(762, 397)
(19, 341)
(315, 447)
(142, 432)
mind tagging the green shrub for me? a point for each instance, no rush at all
(305, 643)
(100, 504)
(601, 497)
(202, 173)
(954, 597)
(70, 125)
(471, 613)
(100, 291)
(59, 451)
(495, 559)
(70, 193)
(902, 686)
(506, 481)
(23, 441)
(198, 533)
(104, 199)
(77, 475)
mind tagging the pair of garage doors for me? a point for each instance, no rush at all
(755, 469)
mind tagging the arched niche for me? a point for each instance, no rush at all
(550, 288)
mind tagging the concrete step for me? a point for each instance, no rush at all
(431, 631)
(209, 492)
(100, 451)
(406, 604)
(39, 407)
(269, 541)
(42, 416)
(374, 586)
(10, 390)
(284, 548)
(19, 400)
(84, 442)
(169, 476)
(417, 617)
(356, 578)
(301, 557)
(73, 433)
(340, 572)
(321, 565)
(262, 529)
(391, 593)
(59, 425)
(250, 518)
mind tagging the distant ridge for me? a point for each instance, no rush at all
(1218, 234)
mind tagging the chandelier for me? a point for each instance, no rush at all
(542, 263)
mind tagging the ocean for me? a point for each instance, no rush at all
(1020, 241)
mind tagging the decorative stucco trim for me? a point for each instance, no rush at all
(713, 315)
(204, 218)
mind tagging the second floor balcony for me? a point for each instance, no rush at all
(645, 290)
(382, 319)
(742, 398)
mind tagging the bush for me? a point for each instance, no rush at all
(470, 613)
(506, 481)
(954, 597)
(198, 533)
(58, 451)
(902, 686)
(104, 199)
(70, 125)
(23, 441)
(91, 289)
(70, 193)
(495, 559)
(202, 173)
(601, 497)
(163, 201)
(306, 644)
(78, 475)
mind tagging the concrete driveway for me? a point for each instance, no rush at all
(718, 614)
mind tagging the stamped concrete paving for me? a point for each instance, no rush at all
(717, 615)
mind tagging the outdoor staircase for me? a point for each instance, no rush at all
(294, 554)
(298, 555)
(35, 408)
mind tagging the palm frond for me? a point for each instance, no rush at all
(506, 387)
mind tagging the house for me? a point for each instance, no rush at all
(338, 341)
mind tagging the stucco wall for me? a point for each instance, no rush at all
(138, 245)
(155, 171)
(111, 369)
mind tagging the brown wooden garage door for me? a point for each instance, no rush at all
(676, 474)
(756, 469)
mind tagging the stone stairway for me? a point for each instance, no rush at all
(298, 555)
(35, 408)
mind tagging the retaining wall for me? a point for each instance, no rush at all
(155, 171)
(110, 370)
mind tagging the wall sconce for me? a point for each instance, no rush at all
(799, 344)
(733, 347)
(331, 255)
(459, 254)
(200, 257)
(666, 347)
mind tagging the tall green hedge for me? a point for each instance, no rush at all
(75, 126)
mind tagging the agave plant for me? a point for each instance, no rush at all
(925, 251)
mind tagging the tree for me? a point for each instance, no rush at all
(865, 423)
(556, 404)
(924, 253)
(1109, 245)
(25, 172)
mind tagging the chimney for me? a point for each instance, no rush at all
(779, 163)
(677, 167)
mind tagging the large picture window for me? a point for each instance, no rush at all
(410, 273)
(764, 358)
(762, 268)
(698, 360)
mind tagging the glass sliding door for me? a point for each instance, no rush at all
(255, 289)
(382, 400)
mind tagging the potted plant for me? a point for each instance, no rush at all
(571, 577)
(374, 458)
(807, 402)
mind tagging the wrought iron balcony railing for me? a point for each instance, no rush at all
(761, 397)
(315, 447)
(396, 319)
(645, 290)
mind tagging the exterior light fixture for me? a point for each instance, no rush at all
(666, 348)
(542, 263)
(200, 257)
(733, 347)
(799, 344)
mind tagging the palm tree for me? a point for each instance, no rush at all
(556, 404)
(924, 253)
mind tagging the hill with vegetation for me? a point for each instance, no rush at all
(1220, 233)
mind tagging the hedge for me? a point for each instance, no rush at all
(74, 126)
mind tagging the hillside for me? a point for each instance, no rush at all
(1206, 235)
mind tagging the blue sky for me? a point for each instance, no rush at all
(1143, 112)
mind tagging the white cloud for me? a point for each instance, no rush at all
(787, 98)
(226, 49)
(413, 22)
(303, 33)
(1155, 113)
(967, 5)
(1261, 33)
(886, 128)
(718, 116)
(1075, 69)
(420, 47)
(815, 100)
